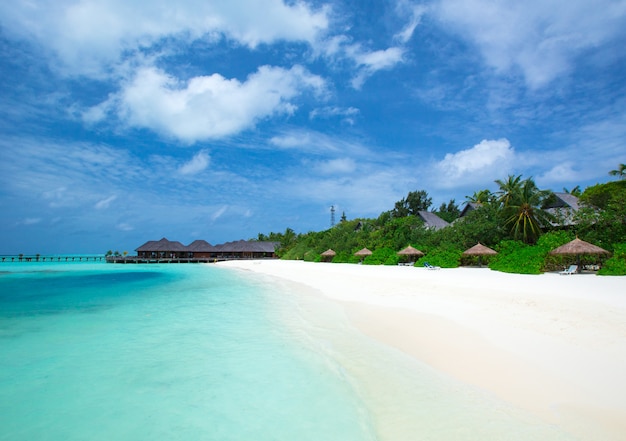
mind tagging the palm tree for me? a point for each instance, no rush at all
(620, 172)
(524, 214)
(480, 197)
(508, 189)
(576, 191)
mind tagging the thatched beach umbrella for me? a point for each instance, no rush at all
(363, 253)
(577, 247)
(479, 250)
(328, 254)
(410, 251)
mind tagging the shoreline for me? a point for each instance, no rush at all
(553, 346)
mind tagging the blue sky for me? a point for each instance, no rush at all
(124, 121)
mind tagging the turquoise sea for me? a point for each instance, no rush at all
(189, 352)
(95, 351)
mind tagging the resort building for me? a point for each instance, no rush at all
(165, 250)
(432, 221)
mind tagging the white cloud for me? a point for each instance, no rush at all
(346, 113)
(369, 63)
(219, 213)
(198, 163)
(209, 107)
(540, 38)
(123, 226)
(105, 203)
(489, 158)
(318, 143)
(90, 35)
(30, 221)
(415, 13)
(335, 166)
(559, 174)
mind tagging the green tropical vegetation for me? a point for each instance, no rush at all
(515, 221)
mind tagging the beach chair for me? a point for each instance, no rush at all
(571, 270)
(430, 267)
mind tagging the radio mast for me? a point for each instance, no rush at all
(332, 216)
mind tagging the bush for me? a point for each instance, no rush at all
(616, 265)
(312, 256)
(515, 256)
(345, 257)
(382, 256)
(443, 257)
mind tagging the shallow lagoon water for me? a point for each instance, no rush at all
(97, 351)
(198, 352)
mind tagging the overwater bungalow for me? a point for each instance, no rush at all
(246, 249)
(200, 248)
(162, 249)
(165, 250)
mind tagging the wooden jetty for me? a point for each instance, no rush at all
(52, 258)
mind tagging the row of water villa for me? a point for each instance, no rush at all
(198, 251)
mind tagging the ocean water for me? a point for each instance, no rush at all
(160, 352)
(94, 351)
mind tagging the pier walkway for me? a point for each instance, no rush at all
(52, 258)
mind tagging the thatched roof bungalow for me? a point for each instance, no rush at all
(200, 248)
(247, 249)
(162, 248)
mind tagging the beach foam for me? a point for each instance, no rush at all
(543, 356)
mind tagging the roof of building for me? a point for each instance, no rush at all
(565, 200)
(247, 246)
(200, 246)
(431, 220)
(470, 206)
(563, 206)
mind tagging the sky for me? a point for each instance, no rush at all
(123, 121)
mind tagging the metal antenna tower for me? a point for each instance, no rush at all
(332, 216)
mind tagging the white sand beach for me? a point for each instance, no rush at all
(554, 346)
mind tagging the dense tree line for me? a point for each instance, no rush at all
(514, 220)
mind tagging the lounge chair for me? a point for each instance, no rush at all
(430, 267)
(571, 270)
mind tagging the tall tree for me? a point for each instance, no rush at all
(414, 202)
(481, 197)
(449, 211)
(523, 212)
(509, 189)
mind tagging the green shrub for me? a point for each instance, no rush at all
(515, 256)
(311, 256)
(443, 257)
(616, 265)
(550, 241)
(382, 256)
(345, 257)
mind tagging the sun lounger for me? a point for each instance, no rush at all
(571, 270)
(430, 267)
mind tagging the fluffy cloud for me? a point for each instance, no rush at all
(540, 38)
(488, 158)
(90, 35)
(208, 107)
